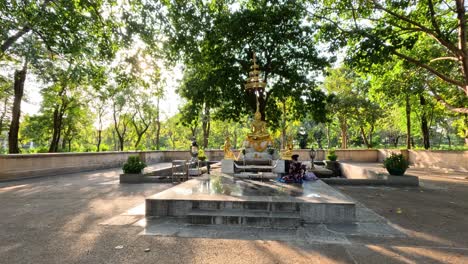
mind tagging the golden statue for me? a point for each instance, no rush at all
(287, 153)
(258, 128)
(258, 139)
(228, 154)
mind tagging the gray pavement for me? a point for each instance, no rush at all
(90, 218)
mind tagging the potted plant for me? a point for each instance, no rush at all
(332, 163)
(332, 155)
(132, 170)
(396, 164)
(201, 155)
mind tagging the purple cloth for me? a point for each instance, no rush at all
(310, 176)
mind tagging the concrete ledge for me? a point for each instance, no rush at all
(21, 166)
(370, 174)
(406, 180)
(131, 178)
(160, 172)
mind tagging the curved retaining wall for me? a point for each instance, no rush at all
(33, 165)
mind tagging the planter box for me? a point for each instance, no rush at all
(131, 178)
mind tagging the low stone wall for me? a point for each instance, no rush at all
(16, 166)
(32, 165)
(357, 155)
(446, 160)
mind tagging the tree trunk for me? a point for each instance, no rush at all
(158, 127)
(99, 140)
(59, 112)
(424, 126)
(64, 142)
(4, 113)
(206, 127)
(371, 131)
(57, 127)
(408, 122)
(193, 129)
(100, 114)
(344, 132)
(139, 136)
(20, 78)
(116, 147)
(120, 136)
(328, 136)
(466, 130)
(140, 132)
(121, 142)
(283, 127)
(364, 137)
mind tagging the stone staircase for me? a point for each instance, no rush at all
(257, 214)
(256, 169)
(224, 199)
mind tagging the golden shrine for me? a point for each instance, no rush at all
(258, 140)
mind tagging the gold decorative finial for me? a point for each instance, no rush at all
(255, 82)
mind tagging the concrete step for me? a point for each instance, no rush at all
(266, 162)
(243, 217)
(287, 207)
(256, 176)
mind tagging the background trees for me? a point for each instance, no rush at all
(103, 72)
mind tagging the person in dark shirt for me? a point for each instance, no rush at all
(296, 171)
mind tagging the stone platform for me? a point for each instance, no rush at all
(223, 199)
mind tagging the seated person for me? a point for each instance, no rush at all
(296, 171)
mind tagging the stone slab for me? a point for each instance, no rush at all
(315, 201)
(227, 166)
(280, 166)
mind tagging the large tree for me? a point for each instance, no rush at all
(216, 42)
(60, 27)
(430, 34)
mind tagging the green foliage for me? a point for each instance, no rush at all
(216, 45)
(70, 47)
(201, 155)
(133, 165)
(424, 35)
(332, 155)
(396, 164)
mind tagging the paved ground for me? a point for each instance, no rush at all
(85, 218)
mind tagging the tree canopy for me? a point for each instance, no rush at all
(353, 73)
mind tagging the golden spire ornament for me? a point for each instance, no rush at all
(259, 138)
(255, 82)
